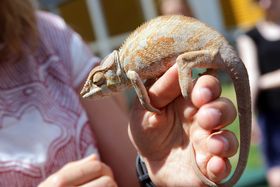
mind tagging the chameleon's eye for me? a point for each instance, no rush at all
(98, 79)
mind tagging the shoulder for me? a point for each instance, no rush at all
(246, 45)
(55, 34)
(248, 37)
(46, 20)
(245, 39)
(269, 31)
(53, 28)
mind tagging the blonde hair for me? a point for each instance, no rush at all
(17, 28)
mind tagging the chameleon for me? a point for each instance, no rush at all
(153, 48)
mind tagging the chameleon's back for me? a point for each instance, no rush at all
(163, 39)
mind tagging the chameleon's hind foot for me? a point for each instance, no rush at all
(189, 60)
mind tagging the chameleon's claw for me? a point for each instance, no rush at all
(150, 108)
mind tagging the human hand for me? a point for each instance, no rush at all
(164, 144)
(88, 172)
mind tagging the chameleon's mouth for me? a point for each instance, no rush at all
(90, 92)
(83, 92)
(86, 95)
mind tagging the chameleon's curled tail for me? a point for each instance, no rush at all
(238, 73)
(233, 65)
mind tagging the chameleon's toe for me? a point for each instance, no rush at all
(150, 108)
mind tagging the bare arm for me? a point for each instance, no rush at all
(270, 80)
(109, 124)
(248, 53)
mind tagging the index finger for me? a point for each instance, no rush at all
(165, 89)
(82, 171)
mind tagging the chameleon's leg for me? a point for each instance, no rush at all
(141, 91)
(189, 60)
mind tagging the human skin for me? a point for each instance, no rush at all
(214, 148)
(164, 146)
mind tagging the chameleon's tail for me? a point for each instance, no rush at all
(238, 73)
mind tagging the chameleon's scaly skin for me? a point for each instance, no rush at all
(154, 47)
(162, 39)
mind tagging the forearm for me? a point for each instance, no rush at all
(248, 53)
(270, 80)
(109, 125)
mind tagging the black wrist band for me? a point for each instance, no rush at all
(142, 173)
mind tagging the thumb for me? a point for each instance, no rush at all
(165, 89)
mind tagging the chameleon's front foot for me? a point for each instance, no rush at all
(150, 108)
(141, 91)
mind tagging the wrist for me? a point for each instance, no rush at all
(142, 173)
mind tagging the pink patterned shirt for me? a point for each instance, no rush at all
(42, 123)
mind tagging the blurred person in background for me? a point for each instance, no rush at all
(260, 50)
(43, 123)
(48, 136)
(171, 7)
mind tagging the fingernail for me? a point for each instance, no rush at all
(226, 143)
(213, 117)
(218, 144)
(205, 94)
